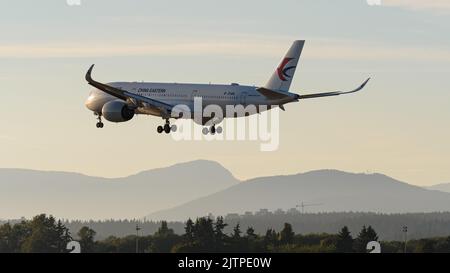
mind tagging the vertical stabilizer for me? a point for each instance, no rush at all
(282, 77)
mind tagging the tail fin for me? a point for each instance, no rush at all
(282, 77)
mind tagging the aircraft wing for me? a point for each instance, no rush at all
(335, 93)
(137, 100)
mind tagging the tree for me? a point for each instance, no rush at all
(204, 233)
(253, 244)
(361, 241)
(86, 236)
(251, 233)
(188, 243)
(203, 236)
(63, 236)
(236, 232)
(164, 239)
(235, 242)
(425, 246)
(109, 245)
(219, 227)
(287, 235)
(365, 236)
(443, 245)
(270, 239)
(164, 230)
(220, 237)
(189, 231)
(344, 242)
(46, 236)
(6, 240)
(371, 234)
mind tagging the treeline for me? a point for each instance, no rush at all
(46, 234)
(389, 226)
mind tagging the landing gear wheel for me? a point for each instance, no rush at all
(213, 130)
(167, 128)
(99, 118)
(205, 130)
(219, 130)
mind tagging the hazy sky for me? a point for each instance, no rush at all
(398, 126)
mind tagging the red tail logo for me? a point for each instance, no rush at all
(282, 69)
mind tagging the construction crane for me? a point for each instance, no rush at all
(303, 205)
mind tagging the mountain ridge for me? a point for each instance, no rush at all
(444, 187)
(74, 195)
(207, 185)
(336, 190)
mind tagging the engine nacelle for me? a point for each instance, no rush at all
(117, 111)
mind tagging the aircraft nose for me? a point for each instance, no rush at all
(90, 102)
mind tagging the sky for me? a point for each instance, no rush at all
(398, 126)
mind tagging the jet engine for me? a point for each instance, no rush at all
(117, 111)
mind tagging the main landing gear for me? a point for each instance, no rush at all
(99, 123)
(167, 128)
(212, 130)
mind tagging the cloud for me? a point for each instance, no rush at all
(71, 50)
(437, 5)
(257, 47)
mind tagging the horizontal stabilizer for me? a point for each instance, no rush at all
(271, 94)
(334, 93)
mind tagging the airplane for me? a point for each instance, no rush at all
(121, 101)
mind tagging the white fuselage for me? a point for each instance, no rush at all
(184, 94)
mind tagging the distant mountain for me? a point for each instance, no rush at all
(335, 190)
(445, 187)
(70, 195)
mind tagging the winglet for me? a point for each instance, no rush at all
(88, 74)
(364, 83)
(357, 89)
